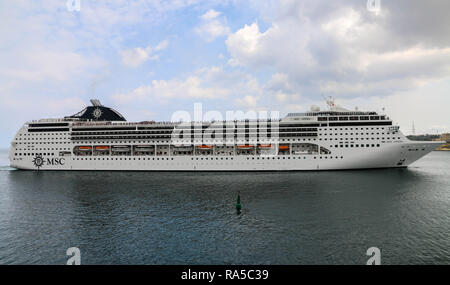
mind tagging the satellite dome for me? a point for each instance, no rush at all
(315, 108)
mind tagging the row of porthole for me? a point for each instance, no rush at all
(211, 141)
(182, 141)
(351, 129)
(39, 142)
(248, 158)
(44, 133)
(46, 149)
(393, 138)
(328, 128)
(153, 158)
(31, 154)
(41, 138)
(205, 158)
(125, 158)
(199, 142)
(331, 133)
(293, 157)
(357, 145)
(168, 132)
(161, 133)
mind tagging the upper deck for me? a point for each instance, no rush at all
(97, 118)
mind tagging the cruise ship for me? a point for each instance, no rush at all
(99, 138)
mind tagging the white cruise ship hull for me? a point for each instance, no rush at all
(388, 156)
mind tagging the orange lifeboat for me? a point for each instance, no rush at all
(265, 146)
(244, 146)
(283, 147)
(84, 147)
(205, 147)
(102, 147)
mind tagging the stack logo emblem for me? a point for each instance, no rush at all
(97, 113)
(38, 161)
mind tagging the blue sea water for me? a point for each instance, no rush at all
(329, 217)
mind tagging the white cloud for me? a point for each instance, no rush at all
(280, 81)
(237, 88)
(137, 56)
(211, 14)
(162, 45)
(248, 101)
(134, 57)
(282, 46)
(165, 90)
(212, 27)
(36, 64)
(323, 49)
(244, 43)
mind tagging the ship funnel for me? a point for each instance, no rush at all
(96, 102)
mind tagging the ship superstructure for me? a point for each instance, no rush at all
(99, 138)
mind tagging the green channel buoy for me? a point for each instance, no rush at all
(238, 204)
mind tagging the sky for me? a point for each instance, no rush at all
(150, 59)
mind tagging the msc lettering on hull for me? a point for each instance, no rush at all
(55, 161)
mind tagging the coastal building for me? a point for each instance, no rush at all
(444, 137)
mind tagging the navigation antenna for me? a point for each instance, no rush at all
(329, 101)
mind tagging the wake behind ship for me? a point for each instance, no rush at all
(99, 138)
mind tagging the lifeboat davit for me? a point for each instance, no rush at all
(143, 147)
(120, 148)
